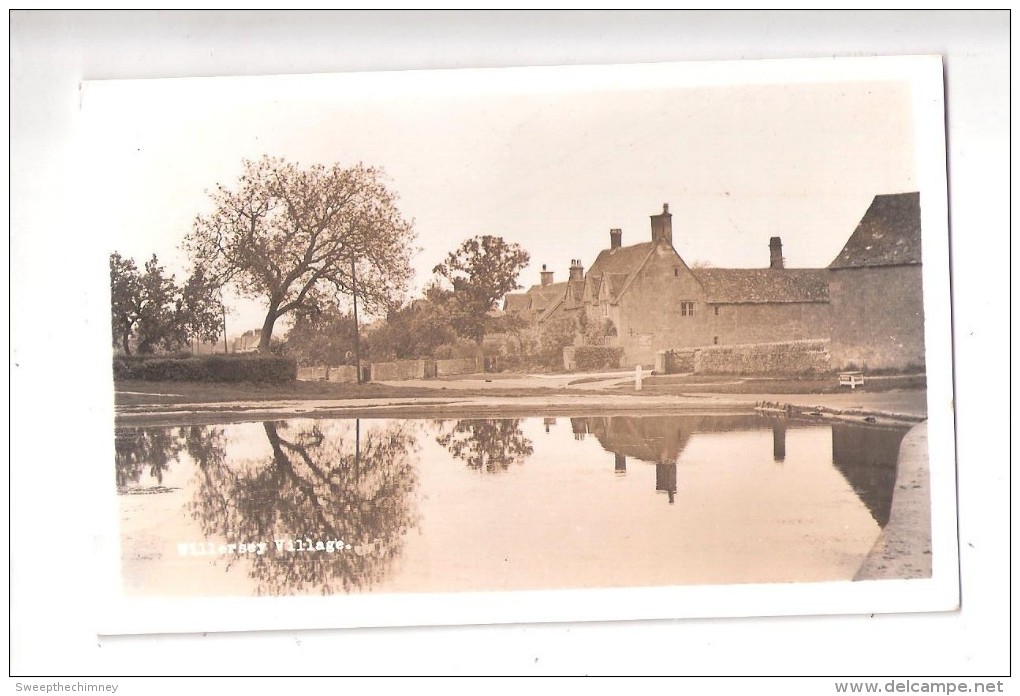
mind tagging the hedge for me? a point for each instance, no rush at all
(206, 368)
(597, 357)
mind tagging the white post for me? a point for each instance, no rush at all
(637, 378)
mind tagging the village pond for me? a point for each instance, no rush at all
(334, 506)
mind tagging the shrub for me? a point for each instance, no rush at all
(597, 357)
(206, 368)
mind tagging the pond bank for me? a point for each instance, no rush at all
(903, 550)
(897, 406)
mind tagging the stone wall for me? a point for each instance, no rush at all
(877, 317)
(766, 323)
(458, 366)
(343, 373)
(311, 374)
(765, 359)
(400, 370)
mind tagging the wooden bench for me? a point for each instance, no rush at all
(851, 379)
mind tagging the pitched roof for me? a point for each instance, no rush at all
(625, 259)
(516, 302)
(542, 296)
(616, 266)
(889, 234)
(758, 285)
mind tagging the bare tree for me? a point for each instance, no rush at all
(296, 237)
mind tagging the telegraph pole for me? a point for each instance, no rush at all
(357, 331)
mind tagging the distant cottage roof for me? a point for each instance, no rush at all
(543, 300)
(889, 234)
(543, 296)
(517, 302)
(760, 285)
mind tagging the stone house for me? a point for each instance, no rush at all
(645, 298)
(875, 289)
(654, 301)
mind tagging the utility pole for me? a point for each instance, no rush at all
(357, 330)
(223, 307)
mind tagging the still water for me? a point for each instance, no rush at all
(407, 505)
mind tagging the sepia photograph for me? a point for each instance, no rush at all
(528, 330)
(538, 343)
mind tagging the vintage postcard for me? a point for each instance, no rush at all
(519, 345)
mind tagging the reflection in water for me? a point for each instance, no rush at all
(138, 448)
(323, 481)
(867, 459)
(755, 500)
(487, 445)
(779, 440)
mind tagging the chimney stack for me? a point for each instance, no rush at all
(546, 276)
(776, 253)
(615, 238)
(662, 226)
(576, 270)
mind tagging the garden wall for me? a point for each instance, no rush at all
(458, 366)
(402, 369)
(792, 358)
(343, 373)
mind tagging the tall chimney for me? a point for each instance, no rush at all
(546, 276)
(776, 253)
(615, 238)
(576, 270)
(662, 226)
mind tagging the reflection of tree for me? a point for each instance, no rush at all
(137, 448)
(322, 482)
(487, 445)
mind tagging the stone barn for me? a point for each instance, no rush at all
(875, 289)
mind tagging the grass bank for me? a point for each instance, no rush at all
(142, 393)
(721, 384)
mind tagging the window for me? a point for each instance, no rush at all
(605, 309)
(715, 341)
(687, 309)
(676, 272)
(717, 310)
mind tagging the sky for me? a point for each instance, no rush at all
(548, 158)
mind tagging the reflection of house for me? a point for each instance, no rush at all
(646, 298)
(867, 456)
(875, 288)
(657, 440)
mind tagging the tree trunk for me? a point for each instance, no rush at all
(127, 348)
(265, 341)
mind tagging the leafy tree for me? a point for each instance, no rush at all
(295, 237)
(415, 330)
(149, 308)
(322, 338)
(199, 307)
(481, 270)
(125, 299)
(554, 335)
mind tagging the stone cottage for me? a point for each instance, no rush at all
(645, 298)
(875, 289)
